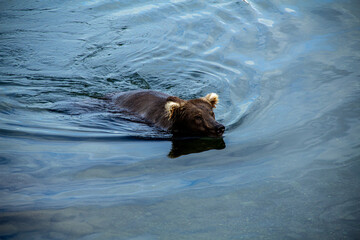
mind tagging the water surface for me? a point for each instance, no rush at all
(73, 166)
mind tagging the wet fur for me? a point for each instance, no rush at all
(145, 104)
(172, 113)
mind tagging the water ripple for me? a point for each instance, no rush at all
(287, 78)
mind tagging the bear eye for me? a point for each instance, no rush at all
(198, 118)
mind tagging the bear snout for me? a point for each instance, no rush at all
(220, 129)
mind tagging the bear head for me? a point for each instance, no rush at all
(194, 117)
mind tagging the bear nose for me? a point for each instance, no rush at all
(220, 129)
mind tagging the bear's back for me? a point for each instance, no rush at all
(147, 104)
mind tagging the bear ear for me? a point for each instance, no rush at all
(170, 107)
(212, 98)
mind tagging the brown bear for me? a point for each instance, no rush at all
(193, 117)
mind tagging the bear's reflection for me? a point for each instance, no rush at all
(184, 146)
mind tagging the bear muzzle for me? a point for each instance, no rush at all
(219, 129)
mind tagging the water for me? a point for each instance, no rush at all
(75, 167)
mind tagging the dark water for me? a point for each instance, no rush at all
(74, 167)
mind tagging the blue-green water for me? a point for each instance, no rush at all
(72, 166)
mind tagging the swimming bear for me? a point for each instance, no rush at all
(193, 117)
